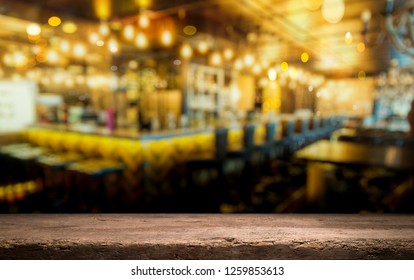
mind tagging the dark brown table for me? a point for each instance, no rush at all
(361, 155)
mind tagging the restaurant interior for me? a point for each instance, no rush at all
(213, 106)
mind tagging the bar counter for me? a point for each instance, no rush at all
(206, 236)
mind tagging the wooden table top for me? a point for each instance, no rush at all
(206, 236)
(358, 154)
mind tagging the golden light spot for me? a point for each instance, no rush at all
(54, 21)
(304, 57)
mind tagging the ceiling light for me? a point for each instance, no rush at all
(79, 50)
(54, 21)
(257, 69)
(190, 30)
(186, 50)
(128, 32)
(248, 60)
(304, 57)
(104, 29)
(333, 10)
(284, 66)
(166, 38)
(141, 40)
(238, 64)
(202, 47)
(228, 53)
(143, 21)
(113, 45)
(33, 29)
(69, 27)
(348, 38)
(215, 59)
(272, 74)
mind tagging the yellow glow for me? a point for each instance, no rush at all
(333, 10)
(141, 40)
(304, 57)
(190, 30)
(102, 8)
(52, 56)
(312, 5)
(64, 46)
(54, 21)
(166, 38)
(238, 64)
(143, 21)
(93, 37)
(143, 4)
(104, 29)
(202, 47)
(284, 66)
(215, 59)
(186, 50)
(272, 74)
(113, 45)
(348, 38)
(361, 47)
(69, 27)
(128, 32)
(33, 29)
(228, 53)
(79, 50)
(257, 69)
(362, 75)
(248, 60)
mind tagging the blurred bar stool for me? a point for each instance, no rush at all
(267, 148)
(94, 183)
(287, 141)
(214, 162)
(246, 152)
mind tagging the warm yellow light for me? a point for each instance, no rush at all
(128, 32)
(248, 60)
(166, 38)
(143, 21)
(19, 59)
(202, 47)
(141, 40)
(69, 27)
(284, 66)
(312, 5)
(93, 38)
(8, 59)
(333, 10)
(102, 8)
(52, 57)
(54, 21)
(304, 57)
(64, 46)
(348, 38)
(238, 64)
(272, 74)
(215, 59)
(362, 75)
(113, 45)
(100, 43)
(79, 50)
(257, 69)
(361, 47)
(33, 29)
(228, 53)
(143, 4)
(186, 50)
(190, 30)
(104, 29)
